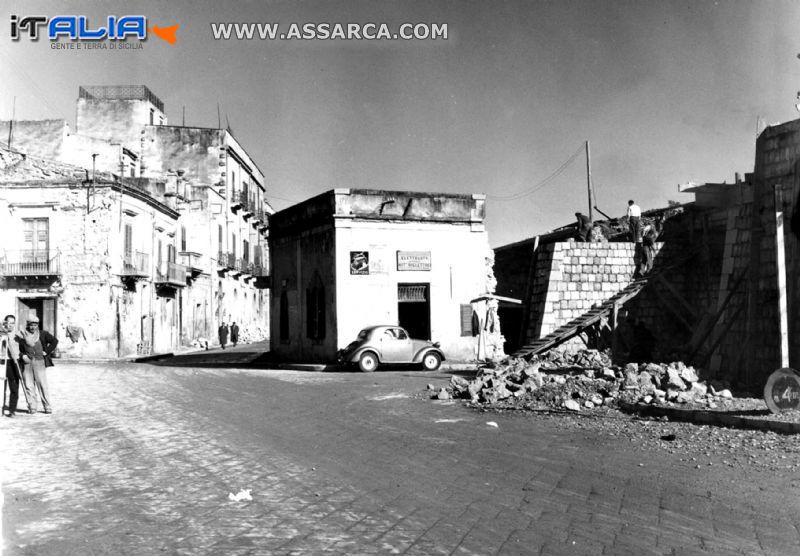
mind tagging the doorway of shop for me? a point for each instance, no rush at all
(414, 309)
(44, 308)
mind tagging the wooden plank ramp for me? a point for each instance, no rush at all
(587, 320)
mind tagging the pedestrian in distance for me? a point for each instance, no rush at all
(36, 349)
(234, 334)
(585, 226)
(9, 351)
(223, 334)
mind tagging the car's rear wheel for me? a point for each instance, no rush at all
(368, 362)
(431, 361)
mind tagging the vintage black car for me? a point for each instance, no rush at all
(389, 344)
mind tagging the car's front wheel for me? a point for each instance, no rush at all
(431, 361)
(368, 362)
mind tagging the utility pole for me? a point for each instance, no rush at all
(90, 189)
(780, 261)
(589, 179)
(11, 123)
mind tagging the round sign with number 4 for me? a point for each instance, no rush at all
(782, 391)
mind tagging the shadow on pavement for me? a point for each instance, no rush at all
(249, 358)
(218, 358)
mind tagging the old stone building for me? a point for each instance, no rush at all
(173, 221)
(351, 258)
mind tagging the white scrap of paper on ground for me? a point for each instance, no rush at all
(243, 494)
(492, 424)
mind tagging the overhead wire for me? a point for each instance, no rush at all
(543, 183)
(34, 88)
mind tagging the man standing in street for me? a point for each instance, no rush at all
(635, 221)
(37, 347)
(223, 334)
(234, 333)
(10, 346)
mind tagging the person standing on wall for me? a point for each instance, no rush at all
(10, 345)
(649, 236)
(635, 221)
(37, 347)
(234, 333)
(584, 227)
(223, 334)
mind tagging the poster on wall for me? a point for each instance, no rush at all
(413, 260)
(359, 262)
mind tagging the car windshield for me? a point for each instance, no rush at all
(363, 334)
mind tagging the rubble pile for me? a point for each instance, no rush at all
(583, 381)
(250, 334)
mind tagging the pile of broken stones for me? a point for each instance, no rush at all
(583, 381)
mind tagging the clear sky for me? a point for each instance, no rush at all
(666, 92)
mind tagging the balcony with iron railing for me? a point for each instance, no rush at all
(135, 265)
(170, 274)
(193, 262)
(238, 197)
(30, 263)
(222, 260)
(258, 218)
(237, 267)
(260, 272)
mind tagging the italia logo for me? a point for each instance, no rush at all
(78, 27)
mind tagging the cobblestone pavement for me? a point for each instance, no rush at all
(139, 459)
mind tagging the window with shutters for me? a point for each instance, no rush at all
(36, 240)
(128, 240)
(246, 252)
(183, 238)
(467, 321)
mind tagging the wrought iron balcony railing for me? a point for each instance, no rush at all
(171, 274)
(259, 270)
(190, 259)
(28, 262)
(135, 265)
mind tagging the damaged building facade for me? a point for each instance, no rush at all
(713, 297)
(130, 236)
(351, 258)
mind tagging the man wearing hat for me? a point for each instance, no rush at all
(37, 347)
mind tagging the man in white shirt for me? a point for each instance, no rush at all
(635, 222)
